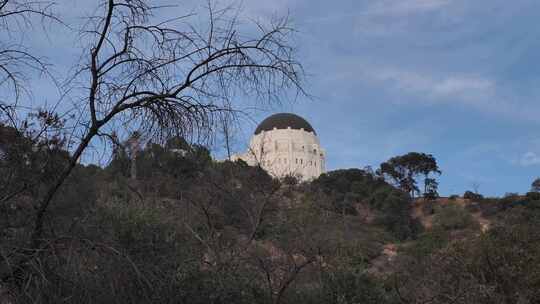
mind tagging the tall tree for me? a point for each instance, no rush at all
(535, 186)
(405, 170)
(430, 188)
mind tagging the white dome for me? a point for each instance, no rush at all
(286, 144)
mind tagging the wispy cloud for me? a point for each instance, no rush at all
(448, 86)
(262, 9)
(529, 159)
(462, 85)
(479, 92)
(389, 17)
(406, 7)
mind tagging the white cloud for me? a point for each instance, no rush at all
(463, 86)
(530, 159)
(406, 7)
(394, 17)
(475, 91)
(257, 9)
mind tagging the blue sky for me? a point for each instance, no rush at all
(454, 78)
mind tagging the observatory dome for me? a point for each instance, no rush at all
(285, 144)
(284, 121)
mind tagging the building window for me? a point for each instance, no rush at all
(297, 160)
(301, 161)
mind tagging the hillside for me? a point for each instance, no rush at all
(191, 230)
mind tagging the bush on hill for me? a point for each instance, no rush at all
(453, 217)
(498, 266)
(472, 196)
(342, 190)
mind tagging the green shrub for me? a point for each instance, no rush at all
(427, 243)
(511, 195)
(452, 216)
(350, 286)
(533, 196)
(343, 189)
(472, 196)
(473, 207)
(428, 207)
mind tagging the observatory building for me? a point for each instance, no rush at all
(286, 144)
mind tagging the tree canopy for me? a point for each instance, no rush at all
(405, 170)
(535, 186)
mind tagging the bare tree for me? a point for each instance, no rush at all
(280, 271)
(168, 77)
(227, 128)
(16, 60)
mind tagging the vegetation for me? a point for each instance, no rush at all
(358, 192)
(495, 267)
(188, 229)
(472, 196)
(191, 230)
(535, 186)
(405, 170)
(452, 217)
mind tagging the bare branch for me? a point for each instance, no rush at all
(16, 59)
(166, 78)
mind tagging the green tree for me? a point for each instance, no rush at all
(535, 186)
(430, 188)
(177, 143)
(405, 170)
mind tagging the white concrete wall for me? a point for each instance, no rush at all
(286, 152)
